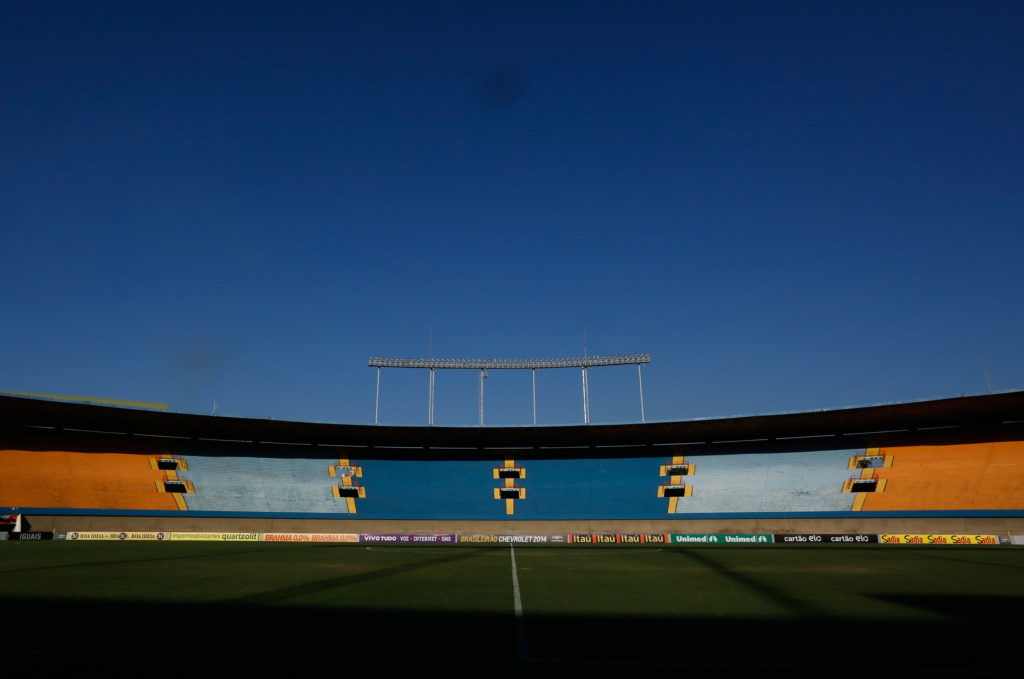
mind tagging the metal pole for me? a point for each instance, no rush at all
(430, 399)
(640, 376)
(586, 398)
(482, 376)
(376, 407)
(533, 380)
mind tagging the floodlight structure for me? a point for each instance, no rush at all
(532, 364)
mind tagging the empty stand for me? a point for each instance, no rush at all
(54, 478)
(769, 482)
(969, 476)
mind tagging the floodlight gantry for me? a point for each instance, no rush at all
(532, 364)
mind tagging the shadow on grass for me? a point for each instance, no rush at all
(324, 585)
(966, 609)
(252, 634)
(754, 586)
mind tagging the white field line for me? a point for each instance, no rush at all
(524, 652)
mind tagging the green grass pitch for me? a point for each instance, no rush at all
(737, 607)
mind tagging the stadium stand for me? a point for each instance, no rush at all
(82, 457)
(951, 477)
(56, 478)
(773, 482)
(261, 484)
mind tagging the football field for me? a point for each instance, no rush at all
(738, 606)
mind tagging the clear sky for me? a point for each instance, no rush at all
(790, 205)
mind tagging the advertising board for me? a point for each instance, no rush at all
(505, 539)
(310, 537)
(721, 538)
(406, 538)
(825, 538)
(937, 539)
(116, 535)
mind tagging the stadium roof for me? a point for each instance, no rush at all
(1003, 412)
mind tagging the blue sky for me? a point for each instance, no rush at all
(790, 205)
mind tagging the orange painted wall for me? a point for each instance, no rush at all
(57, 478)
(971, 476)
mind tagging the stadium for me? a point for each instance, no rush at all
(656, 544)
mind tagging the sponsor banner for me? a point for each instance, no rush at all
(935, 539)
(720, 538)
(310, 537)
(32, 535)
(618, 539)
(3, 534)
(509, 539)
(823, 538)
(116, 535)
(405, 538)
(10, 522)
(216, 537)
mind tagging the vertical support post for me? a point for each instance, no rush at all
(586, 398)
(376, 407)
(430, 399)
(640, 377)
(483, 374)
(533, 382)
